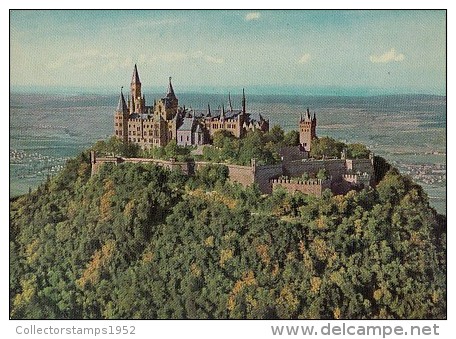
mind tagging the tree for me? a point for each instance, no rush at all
(326, 147)
(357, 151)
(291, 138)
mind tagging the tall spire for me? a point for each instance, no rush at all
(135, 76)
(243, 101)
(208, 110)
(122, 105)
(229, 102)
(170, 92)
(308, 113)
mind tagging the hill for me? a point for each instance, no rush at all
(139, 241)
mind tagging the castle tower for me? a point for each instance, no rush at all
(307, 130)
(171, 97)
(137, 102)
(121, 119)
(243, 102)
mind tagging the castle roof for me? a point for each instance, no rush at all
(187, 124)
(139, 116)
(135, 76)
(170, 93)
(122, 105)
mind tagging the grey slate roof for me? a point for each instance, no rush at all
(187, 124)
(122, 105)
(170, 93)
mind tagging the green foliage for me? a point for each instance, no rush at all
(139, 241)
(115, 146)
(326, 147)
(357, 151)
(291, 138)
(210, 177)
(322, 174)
(381, 167)
(256, 144)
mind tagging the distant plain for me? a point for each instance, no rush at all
(409, 131)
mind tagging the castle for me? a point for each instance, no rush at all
(165, 120)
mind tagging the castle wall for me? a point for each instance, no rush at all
(264, 174)
(311, 187)
(236, 173)
(292, 153)
(361, 165)
(335, 167)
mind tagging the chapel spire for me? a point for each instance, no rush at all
(170, 92)
(135, 76)
(243, 102)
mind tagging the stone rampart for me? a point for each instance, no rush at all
(311, 187)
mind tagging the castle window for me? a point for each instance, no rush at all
(134, 132)
(129, 132)
(117, 132)
(120, 124)
(120, 132)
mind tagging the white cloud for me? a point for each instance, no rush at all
(252, 16)
(389, 56)
(91, 58)
(172, 57)
(206, 57)
(108, 61)
(304, 58)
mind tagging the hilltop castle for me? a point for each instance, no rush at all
(165, 120)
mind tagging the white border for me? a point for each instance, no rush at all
(211, 329)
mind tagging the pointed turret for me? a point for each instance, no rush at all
(314, 117)
(208, 110)
(122, 105)
(135, 92)
(170, 93)
(308, 113)
(135, 76)
(229, 102)
(243, 102)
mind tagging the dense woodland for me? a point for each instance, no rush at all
(140, 241)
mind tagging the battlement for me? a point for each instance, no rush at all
(311, 186)
(300, 182)
(359, 178)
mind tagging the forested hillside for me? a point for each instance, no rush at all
(139, 241)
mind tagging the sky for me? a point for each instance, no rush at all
(402, 51)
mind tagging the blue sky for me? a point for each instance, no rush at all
(403, 51)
